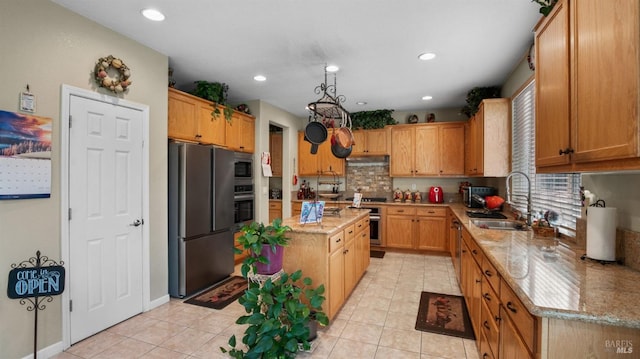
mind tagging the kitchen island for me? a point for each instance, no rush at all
(334, 253)
(547, 301)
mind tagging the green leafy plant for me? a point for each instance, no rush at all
(278, 319)
(215, 92)
(372, 119)
(545, 6)
(255, 235)
(476, 95)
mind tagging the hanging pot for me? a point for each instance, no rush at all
(339, 151)
(315, 133)
(344, 137)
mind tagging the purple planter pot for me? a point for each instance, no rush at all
(275, 260)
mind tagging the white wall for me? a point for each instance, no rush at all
(45, 46)
(268, 114)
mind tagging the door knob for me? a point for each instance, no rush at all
(137, 222)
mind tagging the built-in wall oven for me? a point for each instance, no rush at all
(243, 194)
(243, 201)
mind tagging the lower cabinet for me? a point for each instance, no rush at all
(275, 210)
(237, 258)
(417, 227)
(511, 344)
(341, 266)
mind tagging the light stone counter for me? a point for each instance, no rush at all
(559, 284)
(330, 224)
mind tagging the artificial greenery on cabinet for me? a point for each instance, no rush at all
(546, 6)
(372, 119)
(476, 95)
(215, 92)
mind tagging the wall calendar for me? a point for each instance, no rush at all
(25, 156)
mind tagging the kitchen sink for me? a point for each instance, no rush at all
(499, 224)
(486, 214)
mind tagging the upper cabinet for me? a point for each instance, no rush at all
(435, 149)
(240, 132)
(587, 98)
(191, 119)
(275, 148)
(487, 140)
(323, 163)
(371, 142)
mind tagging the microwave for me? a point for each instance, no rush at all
(243, 165)
(468, 192)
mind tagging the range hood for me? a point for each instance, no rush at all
(368, 160)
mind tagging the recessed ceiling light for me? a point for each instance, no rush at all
(361, 103)
(153, 14)
(332, 68)
(427, 56)
(259, 78)
(427, 97)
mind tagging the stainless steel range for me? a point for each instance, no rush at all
(375, 226)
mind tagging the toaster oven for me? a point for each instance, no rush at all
(468, 192)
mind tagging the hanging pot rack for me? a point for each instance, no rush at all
(329, 105)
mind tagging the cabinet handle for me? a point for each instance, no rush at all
(497, 319)
(486, 296)
(511, 307)
(350, 232)
(488, 273)
(431, 212)
(474, 251)
(345, 251)
(464, 251)
(566, 151)
(338, 240)
(486, 325)
(485, 356)
(401, 211)
(478, 280)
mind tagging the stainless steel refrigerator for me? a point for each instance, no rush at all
(201, 216)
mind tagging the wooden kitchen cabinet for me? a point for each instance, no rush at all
(324, 163)
(336, 274)
(587, 96)
(487, 140)
(415, 227)
(296, 208)
(427, 150)
(190, 119)
(363, 246)
(275, 148)
(240, 133)
(275, 209)
(371, 142)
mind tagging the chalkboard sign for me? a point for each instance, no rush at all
(35, 282)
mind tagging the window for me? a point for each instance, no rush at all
(558, 192)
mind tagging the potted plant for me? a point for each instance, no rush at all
(215, 92)
(476, 95)
(280, 313)
(372, 119)
(545, 6)
(266, 246)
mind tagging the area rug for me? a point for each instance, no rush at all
(376, 254)
(220, 295)
(444, 314)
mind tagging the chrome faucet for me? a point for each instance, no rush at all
(509, 194)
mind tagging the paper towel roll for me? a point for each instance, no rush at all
(601, 233)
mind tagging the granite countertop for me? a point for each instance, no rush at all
(558, 284)
(330, 223)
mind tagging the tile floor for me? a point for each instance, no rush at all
(377, 321)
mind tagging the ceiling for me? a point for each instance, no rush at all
(375, 43)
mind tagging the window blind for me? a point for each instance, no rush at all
(558, 192)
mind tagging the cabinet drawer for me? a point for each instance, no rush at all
(406, 211)
(491, 274)
(485, 350)
(489, 328)
(350, 233)
(522, 319)
(336, 241)
(362, 224)
(431, 211)
(491, 299)
(275, 205)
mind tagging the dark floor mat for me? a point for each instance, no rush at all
(444, 314)
(221, 294)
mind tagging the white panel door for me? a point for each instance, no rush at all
(105, 199)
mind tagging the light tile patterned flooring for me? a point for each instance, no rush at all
(377, 321)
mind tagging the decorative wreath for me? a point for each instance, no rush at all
(118, 83)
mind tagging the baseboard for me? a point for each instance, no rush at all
(48, 352)
(158, 302)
